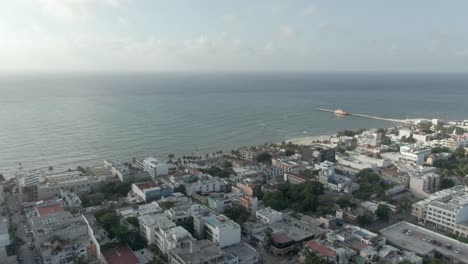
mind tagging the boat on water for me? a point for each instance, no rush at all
(340, 112)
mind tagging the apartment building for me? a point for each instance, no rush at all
(217, 228)
(447, 209)
(155, 167)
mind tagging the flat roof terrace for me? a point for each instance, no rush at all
(424, 242)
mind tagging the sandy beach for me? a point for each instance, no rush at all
(308, 140)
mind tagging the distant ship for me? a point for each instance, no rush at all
(340, 112)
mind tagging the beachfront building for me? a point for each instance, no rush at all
(447, 209)
(318, 153)
(155, 167)
(370, 138)
(68, 181)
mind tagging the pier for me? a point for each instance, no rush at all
(342, 113)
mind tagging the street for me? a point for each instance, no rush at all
(24, 240)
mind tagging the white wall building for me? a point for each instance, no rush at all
(268, 216)
(205, 184)
(155, 167)
(415, 154)
(217, 228)
(447, 209)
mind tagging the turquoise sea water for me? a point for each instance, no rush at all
(65, 120)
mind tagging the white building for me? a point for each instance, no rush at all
(357, 162)
(333, 181)
(447, 209)
(68, 181)
(162, 232)
(217, 228)
(423, 185)
(205, 184)
(155, 167)
(268, 216)
(370, 138)
(416, 154)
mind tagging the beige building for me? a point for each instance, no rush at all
(423, 185)
(447, 209)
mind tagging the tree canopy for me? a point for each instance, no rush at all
(383, 212)
(446, 183)
(237, 213)
(370, 184)
(300, 197)
(264, 157)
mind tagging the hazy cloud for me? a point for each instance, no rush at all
(287, 32)
(310, 10)
(75, 9)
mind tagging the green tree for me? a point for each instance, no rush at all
(170, 156)
(383, 212)
(365, 220)
(2, 178)
(343, 203)
(264, 158)
(446, 183)
(166, 205)
(459, 152)
(133, 221)
(180, 189)
(289, 152)
(237, 213)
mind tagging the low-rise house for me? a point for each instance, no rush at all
(140, 210)
(268, 216)
(152, 190)
(241, 253)
(122, 254)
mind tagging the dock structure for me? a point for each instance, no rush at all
(341, 112)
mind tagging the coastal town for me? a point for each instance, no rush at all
(387, 195)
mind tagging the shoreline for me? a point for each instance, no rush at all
(309, 140)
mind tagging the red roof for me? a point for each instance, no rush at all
(49, 209)
(320, 249)
(147, 185)
(120, 255)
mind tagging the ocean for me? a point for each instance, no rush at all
(69, 119)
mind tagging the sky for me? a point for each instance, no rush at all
(236, 35)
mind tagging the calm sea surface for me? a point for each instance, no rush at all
(65, 120)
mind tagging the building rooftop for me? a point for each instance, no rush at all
(417, 241)
(242, 251)
(200, 251)
(49, 209)
(120, 255)
(320, 249)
